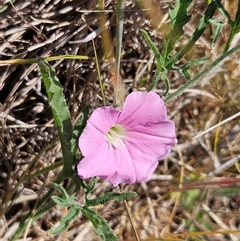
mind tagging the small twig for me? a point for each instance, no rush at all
(224, 166)
(91, 36)
(29, 24)
(219, 221)
(217, 125)
(179, 193)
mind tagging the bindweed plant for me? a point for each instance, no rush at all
(68, 137)
(124, 144)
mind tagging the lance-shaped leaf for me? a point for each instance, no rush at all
(66, 200)
(65, 221)
(235, 27)
(100, 224)
(59, 109)
(179, 17)
(111, 196)
(161, 72)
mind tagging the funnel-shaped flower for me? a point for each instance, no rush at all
(126, 145)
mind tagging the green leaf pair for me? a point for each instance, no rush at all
(102, 228)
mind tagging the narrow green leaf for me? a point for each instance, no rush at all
(55, 95)
(65, 221)
(111, 196)
(235, 28)
(100, 224)
(196, 62)
(64, 203)
(151, 45)
(223, 11)
(179, 17)
(184, 70)
(211, 9)
(161, 72)
(60, 201)
(59, 109)
(202, 74)
(91, 186)
(218, 24)
(67, 200)
(61, 189)
(43, 206)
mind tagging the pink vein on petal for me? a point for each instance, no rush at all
(125, 167)
(156, 147)
(143, 162)
(163, 128)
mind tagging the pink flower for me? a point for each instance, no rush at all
(126, 145)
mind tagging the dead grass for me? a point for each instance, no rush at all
(189, 197)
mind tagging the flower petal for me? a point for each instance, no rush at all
(154, 146)
(115, 165)
(142, 109)
(144, 163)
(147, 138)
(99, 162)
(161, 129)
(125, 172)
(99, 123)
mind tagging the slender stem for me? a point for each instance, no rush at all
(202, 74)
(99, 75)
(234, 27)
(211, 9)
(130, 216)
(118, 86)
(120, 22)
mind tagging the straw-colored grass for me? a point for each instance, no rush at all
(195, 192)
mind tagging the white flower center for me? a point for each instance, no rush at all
(116, 135)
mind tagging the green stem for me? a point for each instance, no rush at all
(120, 22)
(234, 28)
(36, 213)
(202, 74)
(196, 35)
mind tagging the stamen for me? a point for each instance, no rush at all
(116, 135)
